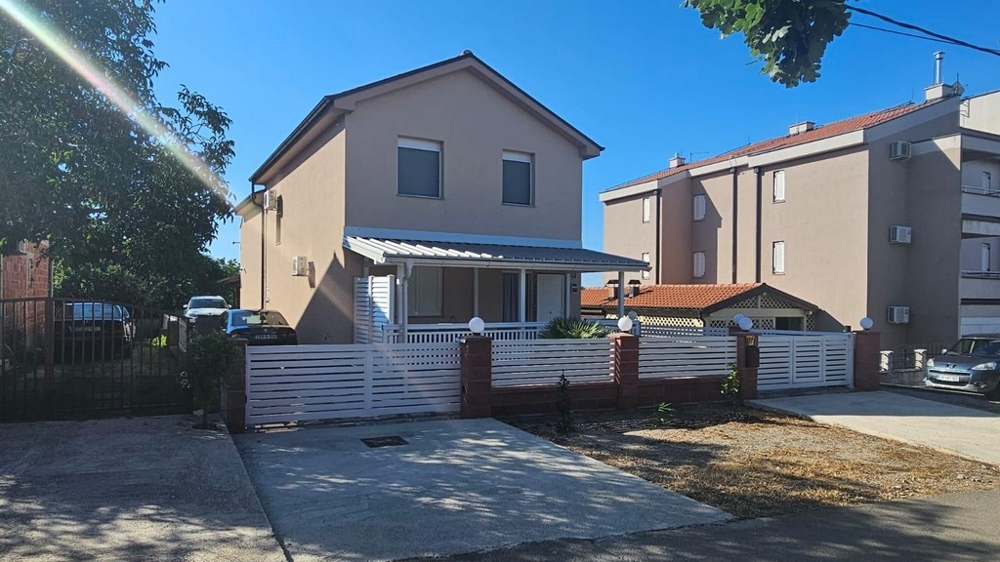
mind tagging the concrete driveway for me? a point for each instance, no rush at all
(973, 434)
(455, 486)
(127, 489)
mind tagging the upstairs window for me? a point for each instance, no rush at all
(418, 168)
(645, 209)
(645, 258)
(699, 264)
(778, 257)
(517, 178)
(699, 207)
(779, 186)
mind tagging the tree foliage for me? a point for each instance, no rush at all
(125, 217)
(789, 36)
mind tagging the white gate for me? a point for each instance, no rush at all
(788, 362)
(374, 307)
(288, 384)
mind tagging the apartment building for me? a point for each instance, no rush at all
(893, 215)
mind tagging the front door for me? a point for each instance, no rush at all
(551, 297)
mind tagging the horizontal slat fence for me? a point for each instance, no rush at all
(674, 331)
(788, 362)
(542, 361)
(324, 382)
(661, 357)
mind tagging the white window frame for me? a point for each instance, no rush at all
(986, 257)
(645, 258)
(645, 209)
(422, 144)
(987, 180)
(778, 187)
(700, 202)
(529, 159)
(778, 257)
(425, 292)
(699, 265)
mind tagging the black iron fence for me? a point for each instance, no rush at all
(73, 358)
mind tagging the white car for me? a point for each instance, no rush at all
(199, 307)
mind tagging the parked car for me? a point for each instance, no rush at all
(204, 306)
(258, 327)
(85, 328)
(972, 365)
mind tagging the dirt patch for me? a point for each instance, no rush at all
(756, 464)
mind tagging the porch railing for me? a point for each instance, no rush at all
(497, 331)
(979, 190)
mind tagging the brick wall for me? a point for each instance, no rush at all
(26, 275)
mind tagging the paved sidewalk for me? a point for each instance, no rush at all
(139, 489)
(454, 486)
(957, 528)
(973, 434)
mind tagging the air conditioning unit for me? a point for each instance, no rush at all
(898, 315)
(899, 150)
(270, 201)
(300, 266)
(899, 234)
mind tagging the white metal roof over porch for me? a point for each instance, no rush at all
(460, 254)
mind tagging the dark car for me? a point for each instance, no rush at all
(972, 365)
(86, 329)
(258, 327)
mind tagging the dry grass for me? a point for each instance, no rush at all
(756, 464)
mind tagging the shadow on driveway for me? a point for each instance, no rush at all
(455, 486)
(127, 489)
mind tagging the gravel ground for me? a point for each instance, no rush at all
(757, 464)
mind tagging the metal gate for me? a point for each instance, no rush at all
(75, 358)
(805, 361)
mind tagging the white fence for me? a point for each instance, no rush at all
(543, 361)
(686, 356)
(788, 362)
(674, 331)
(324, 382)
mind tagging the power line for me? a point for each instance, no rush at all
(894, 32)
(905, 25)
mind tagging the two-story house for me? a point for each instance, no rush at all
(893, 215)
(449, 178)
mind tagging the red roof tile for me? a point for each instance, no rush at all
(667, 296)
(858, 123)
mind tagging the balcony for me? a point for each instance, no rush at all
(982, 201)
(979, 285)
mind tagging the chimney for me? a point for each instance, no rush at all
(801, 127)
(677, 161)
(634, 286)
(613, 289)
(940, 90)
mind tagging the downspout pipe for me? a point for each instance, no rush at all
(760, 201)
(736, 208)
(263, 224)
(659, 234)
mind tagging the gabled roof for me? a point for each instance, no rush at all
(345, 102)
(707, 298)
(849, 125)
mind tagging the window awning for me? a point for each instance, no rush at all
(460, 254)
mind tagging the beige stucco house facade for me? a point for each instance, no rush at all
(450, 178)
(893, 215)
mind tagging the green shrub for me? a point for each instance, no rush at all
(209, 359)
(664, 413)
(731, 385)
(566, 328)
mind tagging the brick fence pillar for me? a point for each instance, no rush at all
(477, 377)
(867, 357)
(625, 366)
(747, 362)
(233, 402)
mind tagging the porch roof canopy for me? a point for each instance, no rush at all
(460, 254)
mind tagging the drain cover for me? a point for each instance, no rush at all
(389, 441)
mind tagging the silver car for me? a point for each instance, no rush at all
(972, 365)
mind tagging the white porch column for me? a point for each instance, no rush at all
(475, 292)
(400, 311)
(567, 300)
(621, 294)
(407, 271)
(522, 295)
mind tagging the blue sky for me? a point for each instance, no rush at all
(643, 78)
